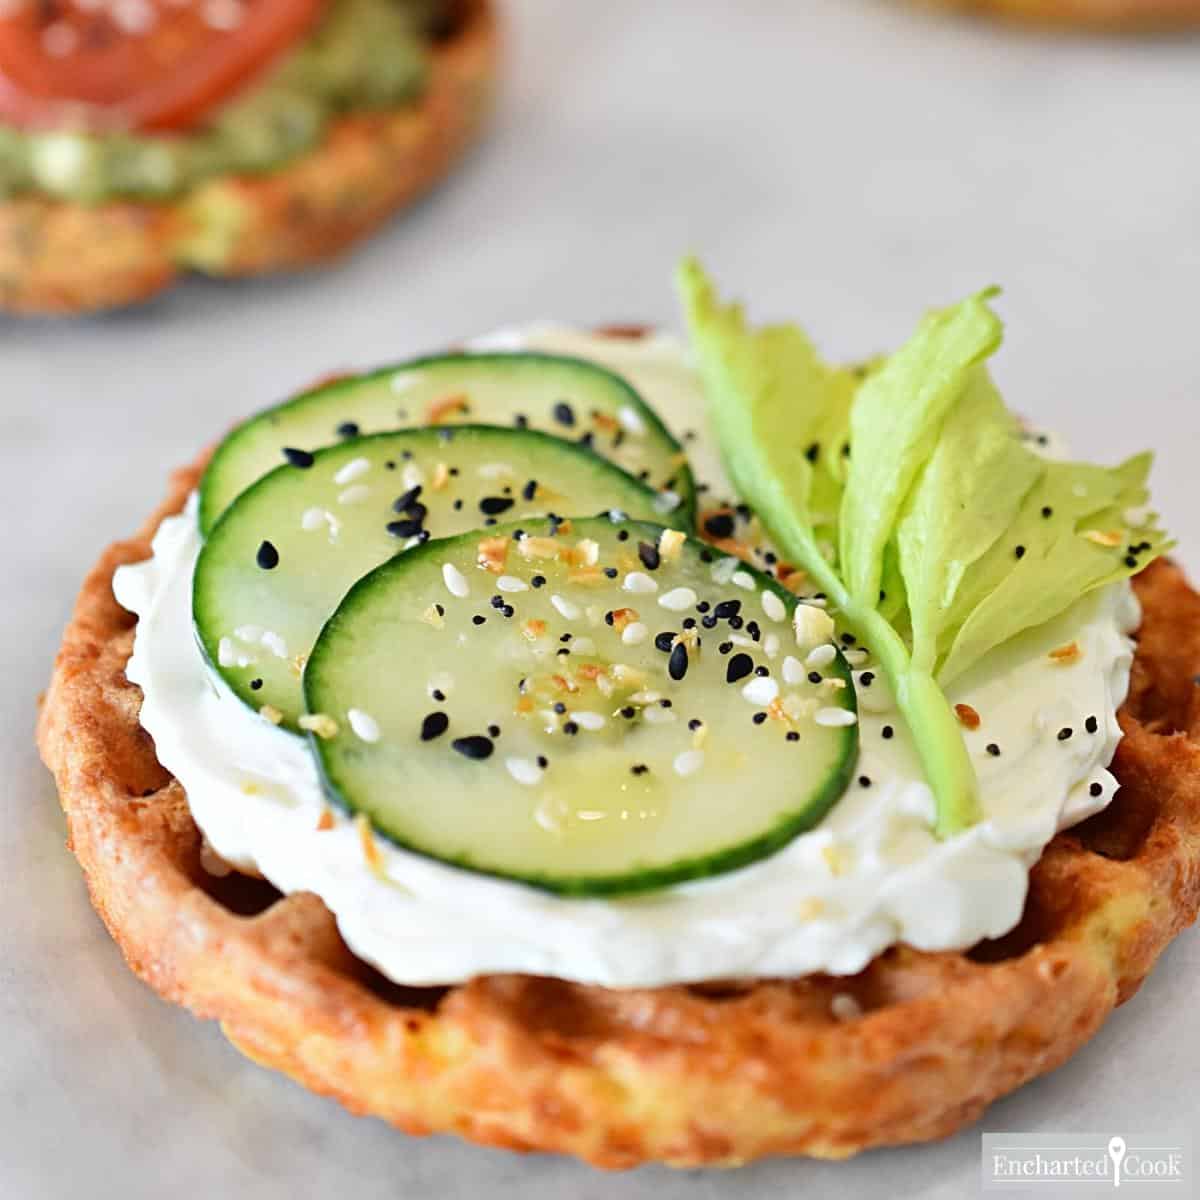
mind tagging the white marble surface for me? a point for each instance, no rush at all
(841, 160)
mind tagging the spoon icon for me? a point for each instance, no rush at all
(1116, 1151)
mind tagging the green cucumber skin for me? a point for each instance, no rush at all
(531, 439)
(637, 880)
(213, 503)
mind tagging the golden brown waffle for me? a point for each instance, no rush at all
(686, 1075)
(57, 257)
(1112, 15)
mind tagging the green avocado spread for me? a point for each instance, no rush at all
(365, 54)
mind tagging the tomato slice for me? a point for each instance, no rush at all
(137, 64)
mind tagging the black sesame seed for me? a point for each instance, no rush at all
(267, 557)
(753, 630)
(570, 728)
(888, 733)
(864, 781)
(622, 535)
(507, 610)
(848, 639)
(403, 503)
(792, 736)
(1019, 552)
(521, 421)
(498, 602)
(560, 707)
(727, 609)
(1091, 724)
(440, 610)
(759, 718)
(475, 746)
(529, 490)
(478, 620)
(494, 731)
(813, 452)
(543, 761)
(404, 529)
(298, 458)
(719, 525)
(434, 726)
(725, 647)
(438, 695)
(639, 769)
(493, 506)
(489, 521)
(738, 667)
(629, 712)
(255, 684)
(706, 556)
(565, 637)
(815, 677)
(587, 440)
(736, 622)
(689, 622)
(677, 664)
(665, 704)
(1097, 789)
(649, 556)
(1047, 512)
(611, 572)
(664, 641)
(564, 414)
(1130, 561)
(867, 678)
(348, 429)
(694, 724)
(1064, 734)
(709, 622)
(538, 581)
(458, 505)
(762, 672)
(993, 749)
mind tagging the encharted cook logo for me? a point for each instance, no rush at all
(1016, 1161)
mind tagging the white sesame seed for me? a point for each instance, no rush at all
(678, 599)
(835, 718)
(583, 645)
(226, 655)
(740, 639)
(639, 581)
(631, 420)
(524, 770)
(775, 608)
(761, 690)
(723, 570)
(510, 583)
(496, 471)
(666, 502)
(455, 583)
(412, 476)
(590, 721)
(402, 381)
(689, 762)
(567, 609)
(821, 656)
(634, 634)
(224, 15)
(312, 519)
(855, 656)
(354, 495)
(657, 715)
(248, 633)
(351, 471)
(133, 16)
(793, 670)
(274, 643)
(771, 645)
(742, 579)
(365, 727)
(844, 1007)
(1138, 516)
(60, 39)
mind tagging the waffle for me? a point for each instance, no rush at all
(58, 257)
(911, 1049)
(1112, 15)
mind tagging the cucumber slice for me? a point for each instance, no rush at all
(568, 397)
(573, 743)
(286, 551)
